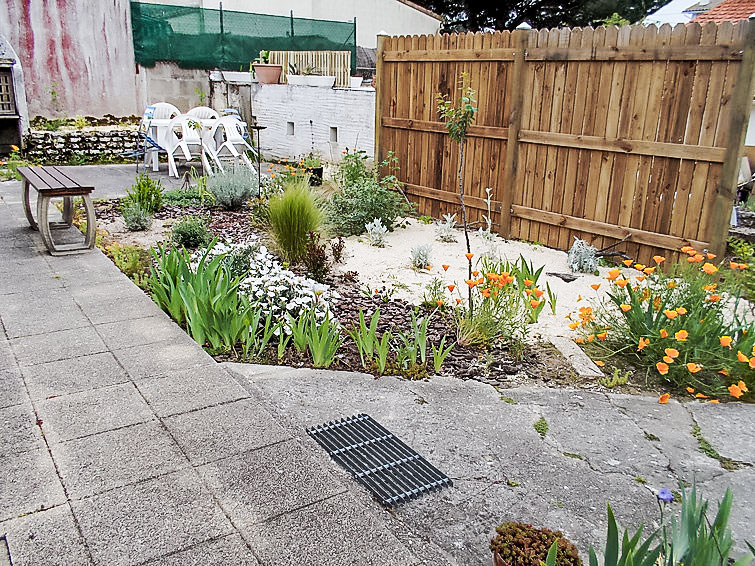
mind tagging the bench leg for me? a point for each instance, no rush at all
(91, 235)
(43, 207)
(68, 211)
(27, 206)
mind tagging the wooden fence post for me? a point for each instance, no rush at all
(515, 123)
(381, 89)
(741, 101)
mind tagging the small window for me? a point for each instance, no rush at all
(289, 128)
(7, 101)
(333, 134)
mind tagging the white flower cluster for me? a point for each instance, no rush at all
(271, 287)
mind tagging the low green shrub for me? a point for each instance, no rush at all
(136, 217)
(133, 261)
(676, 325)
(521, 544)
(232, 188)
(190, 232)
(145, 192)
(293, 215)
(183, 197)
(360, 203)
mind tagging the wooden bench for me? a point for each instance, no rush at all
(51, 182)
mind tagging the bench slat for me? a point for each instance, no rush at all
(72, 182)
(52, 182)
(31, 175)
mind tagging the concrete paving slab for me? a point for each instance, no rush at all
(89, 412)
(261, 484)
(100, 462)
(7, 359)
(10, 283)
(137, 523)
(60, 345)
(140, 331)
(28, 313)
(104, 302)
(729, 429)
(334, 532)
(19, 430)
(220, 552)
(12, 388)
(189, 390)
(28, 483)
(64, 377)
(225, 430)
(48, 538)
(165, 357)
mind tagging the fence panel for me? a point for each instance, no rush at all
(608, 134)
(331, 63)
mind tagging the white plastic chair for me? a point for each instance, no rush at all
(165, 111)
(233, 145)
(184, 135)
(155, 137)
(203, 113)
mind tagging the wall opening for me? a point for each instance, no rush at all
(289, 128)
(334, 134)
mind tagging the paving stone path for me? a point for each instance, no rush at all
(124, 443)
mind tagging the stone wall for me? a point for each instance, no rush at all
(89, 145)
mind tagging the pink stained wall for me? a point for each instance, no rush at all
(82, 49)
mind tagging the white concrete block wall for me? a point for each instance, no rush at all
(351, 112)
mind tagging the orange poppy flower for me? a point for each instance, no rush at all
(535, 303)
(724, 372)
(469, 256)
(625, 308)
(599, 363)
(681, 336)
(671, 315)
(672, 352)
(602, 336)
(595, 286)
(716, 401)
(622, 282)
(735, 391)
(700, 395)
(528, 292)
(710, 255)
(627, 262)
(613, 274)
(714, 298)
(752, 362)
(725, 341)
(486, 293)
(733, 265)
(639, 266)
(472, 283)
(742, 386)
(451, 287)
(687, 249)
(681, 310)
(658, 258)
(445, 267)
(538, 293)
(428, 267)
(458, 301)
(663, 399)
(710, 288)
(741, 357)
(649, 270)
(709, 268)
(642, 344)
(690, 389)
(698, 258)
(671, 284)
(663, 333)
(579, 298)
(640, 278)
(579, 340)
(591, 337)
(439, 303)
(694, 368)
(574, 325)
(528, 282)
(475, 273)
(668, 360)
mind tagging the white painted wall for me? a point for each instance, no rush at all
(351, 112)
(372, 16)
(750, 138)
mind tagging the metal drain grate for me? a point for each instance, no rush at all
(392, 471)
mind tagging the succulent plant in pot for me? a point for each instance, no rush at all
(521, 544)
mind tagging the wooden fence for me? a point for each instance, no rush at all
(607, 134)
(337, 63)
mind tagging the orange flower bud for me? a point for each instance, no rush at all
(451, 288)
(595, 286)
(663, 399)
(469, 256)
(643, 343)
(625, 308)
(445, 267)
(599, 363)
(602, 336)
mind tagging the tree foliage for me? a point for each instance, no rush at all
(480, 15)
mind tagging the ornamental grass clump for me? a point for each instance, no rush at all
(678, 326)
(521, 544)
(293, 215)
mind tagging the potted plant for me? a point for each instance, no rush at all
(312, 164)
(295, 77)
(525, 545)
(267, 73)
(355, 81)
(239, 77)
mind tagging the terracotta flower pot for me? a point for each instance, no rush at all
(267, 74)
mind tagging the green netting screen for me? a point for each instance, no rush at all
(199, 38)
